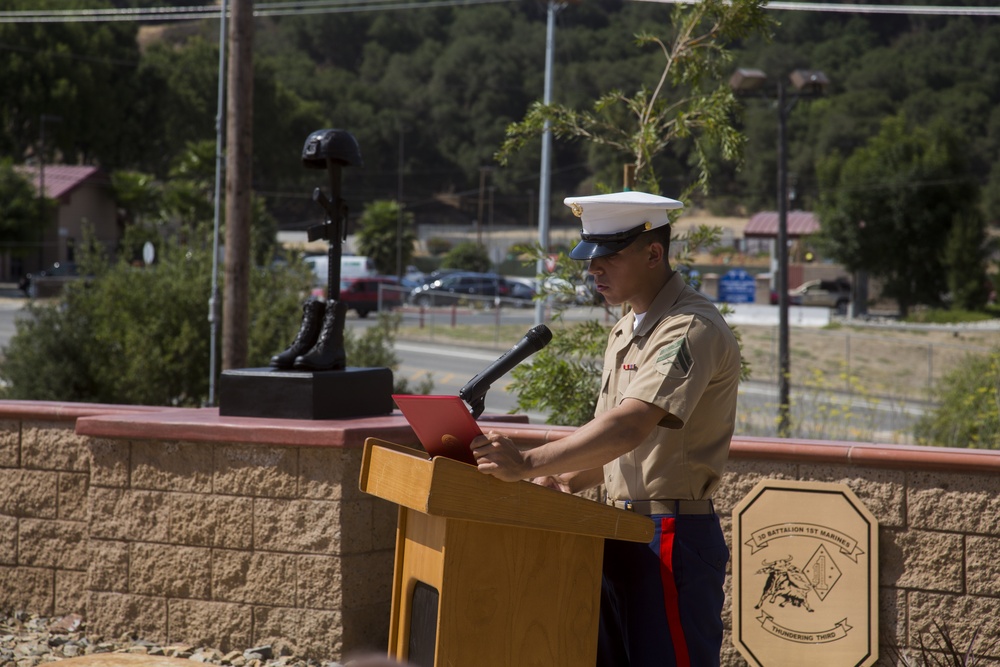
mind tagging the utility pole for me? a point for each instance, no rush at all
(807, 83)
(239, 143)
(784, 355)
(545, 181)
(482, 189)
(220, 114)
(399, 206)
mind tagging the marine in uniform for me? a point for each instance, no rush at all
(658, 442)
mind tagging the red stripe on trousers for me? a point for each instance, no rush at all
(670, 592)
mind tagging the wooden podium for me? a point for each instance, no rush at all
(491, 573)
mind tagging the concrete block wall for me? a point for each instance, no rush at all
(235, 545)
(205, 542)
(44, 483)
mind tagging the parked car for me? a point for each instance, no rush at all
(455, 287)
(437, 274)
(558, 291)
(362, 294)
(50, 279)
(522, 291)
(829, 293)
(561, 292)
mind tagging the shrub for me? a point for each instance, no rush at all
(968, 401)
(140, 335)
(438, 246)
(468, 256)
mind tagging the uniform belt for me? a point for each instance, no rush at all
(675, 507)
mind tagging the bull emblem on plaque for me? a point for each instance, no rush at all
(784, 581)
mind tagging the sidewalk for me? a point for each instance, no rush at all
(761, 315)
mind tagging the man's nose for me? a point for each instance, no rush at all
(594, 266)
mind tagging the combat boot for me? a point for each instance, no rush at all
(312, 323)
(328, 352)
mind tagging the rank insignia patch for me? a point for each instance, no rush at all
(675, 359)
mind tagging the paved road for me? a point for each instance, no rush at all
(450, 368)
(10, 310)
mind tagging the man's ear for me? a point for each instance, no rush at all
(655, 253)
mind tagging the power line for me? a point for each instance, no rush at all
(850, 8)
(931, 10)
(298, 7)
(324, 7)
(306, 7)
(92, 15)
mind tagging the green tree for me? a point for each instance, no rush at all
(386, 234)
(687, 104)
(891, 206)
(154, 209)
(467, 256)
(690, 101)
(968, 406)
(19, 214)
(79, 71)
(966, 256)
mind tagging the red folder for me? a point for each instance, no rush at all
(443, 424)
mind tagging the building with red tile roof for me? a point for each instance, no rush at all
(83, 198)
(765, 224)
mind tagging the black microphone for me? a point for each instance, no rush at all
(476, 388)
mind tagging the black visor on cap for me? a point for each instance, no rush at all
(602, 245)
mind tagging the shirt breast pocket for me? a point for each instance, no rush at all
(606, 389)
(624, 380)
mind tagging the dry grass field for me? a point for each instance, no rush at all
(892, 363)
(856, 383)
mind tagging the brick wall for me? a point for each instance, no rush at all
(235, 545)
(44, 471)
(237, 532)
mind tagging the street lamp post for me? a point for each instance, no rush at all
(807, 83)
(784, 356)
(546, 166)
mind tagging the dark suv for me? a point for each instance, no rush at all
(455, 287)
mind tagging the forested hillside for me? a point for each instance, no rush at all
(428, 92)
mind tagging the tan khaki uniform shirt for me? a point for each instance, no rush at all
(684, 359)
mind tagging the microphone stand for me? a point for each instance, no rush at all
(477, 405)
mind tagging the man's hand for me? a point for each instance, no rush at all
(585, 451)
(496, 455)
